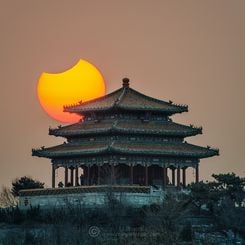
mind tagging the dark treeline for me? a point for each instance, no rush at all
(125, 224)
(206, 208)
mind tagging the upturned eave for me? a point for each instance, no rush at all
(128, 99)
(128, 148)
(127, 127)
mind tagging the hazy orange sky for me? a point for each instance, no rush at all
(192, 52)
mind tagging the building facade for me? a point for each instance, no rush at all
(125, 138)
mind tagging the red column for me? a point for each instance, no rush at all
(66, 176)
(131, 174)
(184, 177)
(72, 176)
(76, 176)
(53, 176)
(197, 173)
(146, 175)
(178, 176)
(173, 176)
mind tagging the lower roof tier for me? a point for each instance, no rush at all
(164, 128)
(126, 148)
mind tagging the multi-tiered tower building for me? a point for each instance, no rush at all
(125, 138)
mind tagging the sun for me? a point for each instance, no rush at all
(82, 82)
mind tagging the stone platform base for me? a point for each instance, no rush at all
(90, 196)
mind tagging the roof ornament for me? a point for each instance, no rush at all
(125, 82)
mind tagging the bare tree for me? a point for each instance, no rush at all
(7, 199)
(165, 220)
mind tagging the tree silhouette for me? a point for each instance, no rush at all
(25, 183)
(225, 198)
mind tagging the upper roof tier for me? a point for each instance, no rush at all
(161, 128)
(128, 99)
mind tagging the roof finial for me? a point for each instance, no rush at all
(125, 82)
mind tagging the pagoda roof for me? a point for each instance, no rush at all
(166, 128)
(126, 147)
(128, 99)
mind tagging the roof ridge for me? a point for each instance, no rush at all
(119, 99)
(170, 103)
(65, 107)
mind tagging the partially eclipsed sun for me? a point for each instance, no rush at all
(82, 82)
